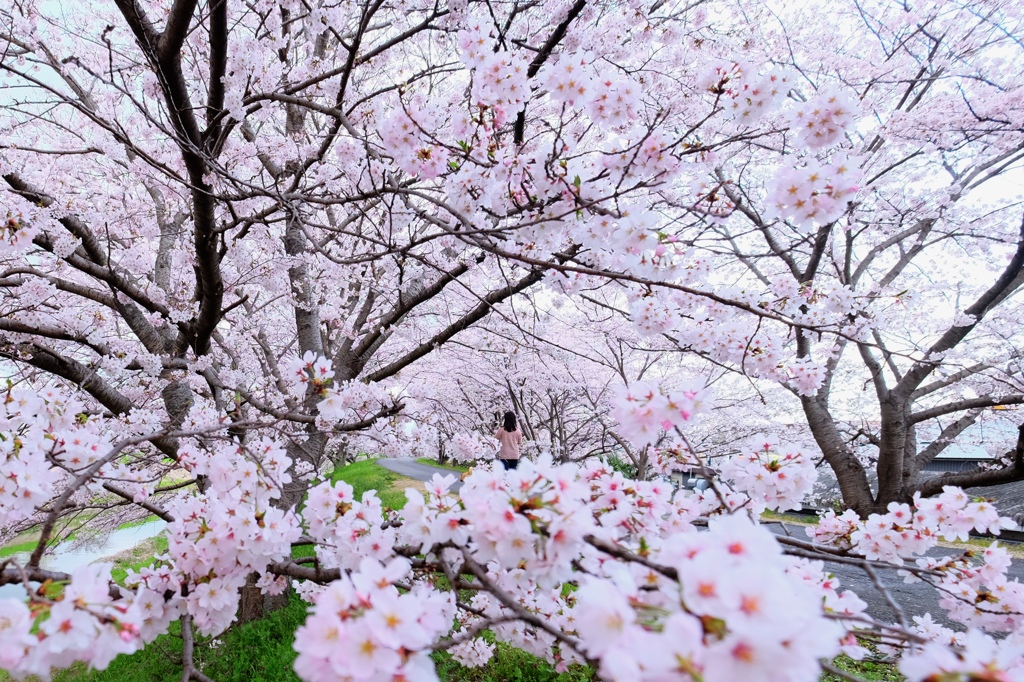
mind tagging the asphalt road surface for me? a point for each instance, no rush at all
(418, 472)
(915, 598)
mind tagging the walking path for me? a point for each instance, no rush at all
(419, 472)
(915, 598)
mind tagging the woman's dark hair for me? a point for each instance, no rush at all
(510, 422)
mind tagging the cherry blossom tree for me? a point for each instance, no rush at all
(532, 359)
(891, 190)
(234, 230)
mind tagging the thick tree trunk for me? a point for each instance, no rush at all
(251, 601)
(253, 604)
(850, 473)
(891, 448)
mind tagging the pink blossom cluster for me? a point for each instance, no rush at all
(904, 531)
(652, 158)
(711, 200)
(412, 150)
(667, 458)
(543, 601)
(822, 120)
(835, 530)
(437, 518)
(469, 447)
(527, 527)
(775, 476)
(158, 595)
(749, 343)
(616, 100)
(975, 591)
(721, 500)
(814, 305)
(569, 79)
(408, 437)
(721, 605)
(220, 536)
(644, 410)
(311, 370)
(83, 624)
(499, 76)
(748, 95)
(32, 425)
(19, 227)
(735, 612)
(363, 628)
(724, 605)
(352, 401)
(345, 528)
(729, 339)
(845, 607)
(813, 194)
(651, 316)
(630, 242)
(473, 653)
(973, 655)
(805, 375)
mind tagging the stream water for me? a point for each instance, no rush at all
(68, 556)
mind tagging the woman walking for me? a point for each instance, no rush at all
(510, 438)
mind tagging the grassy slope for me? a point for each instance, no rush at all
(27, 541)
(8, 550)
(463, 468)
(366, 475)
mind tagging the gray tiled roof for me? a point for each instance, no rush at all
(1009, 498)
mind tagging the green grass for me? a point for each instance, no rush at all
(8, 550)
(142, 554)
(866, 670)
(260, 651)
(463, 468)
(508, 664)
(366, 475)
(139, 522)
(801, 519)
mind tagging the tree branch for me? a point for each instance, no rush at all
(979, 479)
(176, 30)
(966, 404)
(542, 56)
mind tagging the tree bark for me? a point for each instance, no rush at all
(850, 474)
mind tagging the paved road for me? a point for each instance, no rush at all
(419, 472)
(916, 599)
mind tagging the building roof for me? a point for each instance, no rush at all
(1009, 499)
